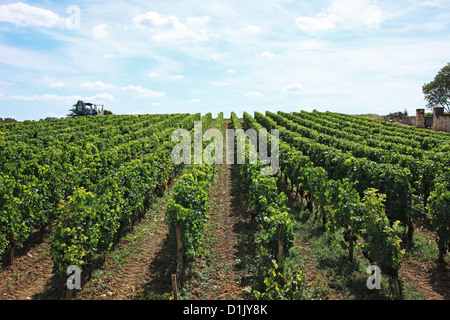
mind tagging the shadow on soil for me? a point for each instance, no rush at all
(440, 279)
(245, 227)
(162, 267)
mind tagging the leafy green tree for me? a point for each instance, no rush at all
(437, 92)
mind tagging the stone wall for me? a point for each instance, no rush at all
(441, 121)
(420, 118)
(408, 120)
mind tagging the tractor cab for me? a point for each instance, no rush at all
(82, 108)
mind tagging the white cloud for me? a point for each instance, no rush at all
(57, 84)
(171, 29)
(176, 77)
(64, 99)
(194, 101)
(44, 97)
(295, 88)
(24, 15)
(100, 31)
(254, 94)
(141, 92)
(267, 54)
(195, 21)
(231, 71)
(312, 25)
(52, 83)
(101, 97)
(252, 29)
(109, 56)
(32, 59)
(373, 17)
(436, 4)
(344, 14)
(98, 85)
(356, 14)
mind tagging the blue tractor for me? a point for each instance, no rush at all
(82, 108)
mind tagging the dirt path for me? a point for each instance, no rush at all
(218, 275)
(433, 281)
(135, 268)
(30, 274)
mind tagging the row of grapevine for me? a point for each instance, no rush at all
(187, 209)
(365, 135)
(430, 169)
(427, 138)
(428, 182)
(90, 221)
(270, 205)
(391, 180)
(340, 205)
(423, 170)
(62, 176)
(439, 209)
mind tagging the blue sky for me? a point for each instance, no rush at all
(349, 56)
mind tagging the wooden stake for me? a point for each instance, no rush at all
(398, 294)
(69, 294)
(280, 247)
(13, 254)
(179, 246)
(174, 287)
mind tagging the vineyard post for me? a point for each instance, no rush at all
(68, 294)
(280, 246)
(12, 253)
(350, 250)
(174, 287)
(398, 294)
(179, 245)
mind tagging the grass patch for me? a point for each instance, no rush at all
(348, 279)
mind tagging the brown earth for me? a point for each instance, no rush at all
(30, 274)
(432, 278)
(218, 275)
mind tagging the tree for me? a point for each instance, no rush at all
(437, 92)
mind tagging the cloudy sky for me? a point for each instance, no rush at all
(165, 56)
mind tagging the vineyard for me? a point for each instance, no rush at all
(349, 193)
